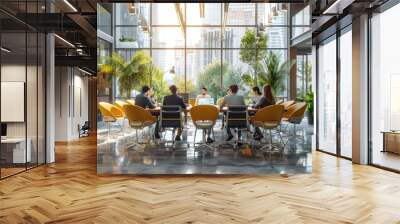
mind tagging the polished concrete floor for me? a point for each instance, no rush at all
(118, 154)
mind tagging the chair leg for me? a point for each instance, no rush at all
(194, 138)
(109, 130)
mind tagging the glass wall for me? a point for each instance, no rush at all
(197, 45)
(326, 101)
(304, 76)
(22, 100)
(385, 88)
(346, 93)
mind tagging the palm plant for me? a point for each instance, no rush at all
(130, 74)
(274, 72)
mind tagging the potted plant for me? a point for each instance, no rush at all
(309, 99)
(127, 42)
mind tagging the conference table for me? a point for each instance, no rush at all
(156, 111)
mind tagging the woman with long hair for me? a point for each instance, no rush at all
(266, 100)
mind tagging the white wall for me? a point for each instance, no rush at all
(71, 102)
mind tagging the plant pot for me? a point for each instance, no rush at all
(310, 117)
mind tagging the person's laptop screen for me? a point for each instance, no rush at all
(205, 101)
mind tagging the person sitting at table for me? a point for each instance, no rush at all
(233, 99)
(256, 95)
(266, 100)
(143, 100)
(174, 100)
(203, 93)
(151, 96)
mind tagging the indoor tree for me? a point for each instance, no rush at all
(272, 72)
(210, 78)
(159, 85)
(253, 48)
(130, 74)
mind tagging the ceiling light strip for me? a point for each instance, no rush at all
(70, 5)
(65, 41)
(84, 71)
(5, 50)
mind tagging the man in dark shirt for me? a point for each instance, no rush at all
(143, 100)
(174, 100)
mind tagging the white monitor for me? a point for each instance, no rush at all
(205, 101)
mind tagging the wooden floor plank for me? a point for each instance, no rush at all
(70, 191)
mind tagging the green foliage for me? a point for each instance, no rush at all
(159, 85)
(250, 41)
(210, 78)
(179, 81)
(127, 39)
(309, 99)
(130, 74)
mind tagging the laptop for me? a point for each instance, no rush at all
(205, 101)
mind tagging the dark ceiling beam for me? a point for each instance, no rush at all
(84, 24)
(78, 61)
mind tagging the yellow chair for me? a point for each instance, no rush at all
(269, 118)
(139, 118)
(110, 114)
(287, 104)
(131, 102)
(295, 115)
(279, 102)
(120, 104)
(204, 117)
(192, 102)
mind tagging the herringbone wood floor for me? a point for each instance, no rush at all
(69, 191)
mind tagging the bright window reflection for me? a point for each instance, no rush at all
(327, 97)
(346, 94)
(204, 46)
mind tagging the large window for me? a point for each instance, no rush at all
(327, 96)
(346, 93)
(199, 45)
(385, 87)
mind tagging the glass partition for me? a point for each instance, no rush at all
(22, 90)
(385, 89)
(193, 45)
(327, 96)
